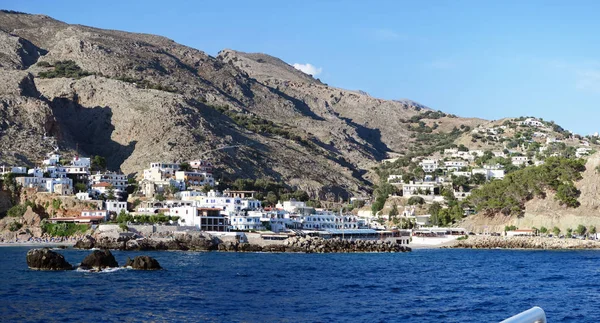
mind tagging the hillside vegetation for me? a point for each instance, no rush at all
(508, 196)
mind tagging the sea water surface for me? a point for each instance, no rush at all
(423, 286)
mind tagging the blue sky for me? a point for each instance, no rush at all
(487, 59)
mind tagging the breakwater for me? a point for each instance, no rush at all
(491, 242)
(202, 241)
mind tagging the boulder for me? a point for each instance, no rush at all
(46, 259)
(31, 218)
(86, 242)
(143, 263)
(99, 259)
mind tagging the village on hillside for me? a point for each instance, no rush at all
(186, 194)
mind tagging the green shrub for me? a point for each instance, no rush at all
(63, 229)
(65, 69)
(414, 200)
(17, 211)
(508, 196)
(15, 226)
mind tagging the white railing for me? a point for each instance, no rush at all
(534, 315)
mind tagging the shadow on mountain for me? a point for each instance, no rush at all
(89, 130)
(299, 105)
(372, 136)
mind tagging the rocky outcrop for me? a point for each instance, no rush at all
(143, 263)
(86, 242)
(193, 241)
(317, 245)
(493, 242)
(46, 259)
(31, 218)
(98, 260)
(202, 241)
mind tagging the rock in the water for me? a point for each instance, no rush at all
(143, 263)
(46, 259)
(99, 259)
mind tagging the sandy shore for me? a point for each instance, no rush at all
(448, 244)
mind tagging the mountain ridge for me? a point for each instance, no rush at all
(150, 98)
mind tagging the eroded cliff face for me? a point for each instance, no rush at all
(150, 99)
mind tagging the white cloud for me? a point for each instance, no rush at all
(308, 69)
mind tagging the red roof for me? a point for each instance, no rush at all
(102, 184)
(209, 209)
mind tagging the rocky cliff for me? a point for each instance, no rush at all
(147, 98)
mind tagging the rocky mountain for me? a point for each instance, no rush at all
(138, 98)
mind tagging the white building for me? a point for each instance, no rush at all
(95, 213)
(229, 205)
(118, 181)
(455, 165)
(429, 165)
(12, 170)
(252, 221)
(291, 206)
(81, 162)
(531, 122)
(62, 186)
(103, 188)
(201, 166)
(83, 196)
(53, 159)
(206, 219)
(189, 195)
(490, 173)
(195, 178)
(160, 171)
(419, 188)
(115, 206)
(519, 160)
(323, 221)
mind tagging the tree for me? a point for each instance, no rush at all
(414, 200)
(460, 182)
(160, 197)
(271, 198)
(543, 230)
(478, 179)
(98, 163)
(110, 193)
(569, 233)
(80, 187)
(394, 211)
(434, 210)
(185, 167)
(556, 231)
(581, 230)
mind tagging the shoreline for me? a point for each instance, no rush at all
(36, 244)
(525, 243)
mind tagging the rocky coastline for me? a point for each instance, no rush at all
(493, 242)
(202, 241)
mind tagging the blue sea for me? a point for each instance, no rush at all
(422, 286)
